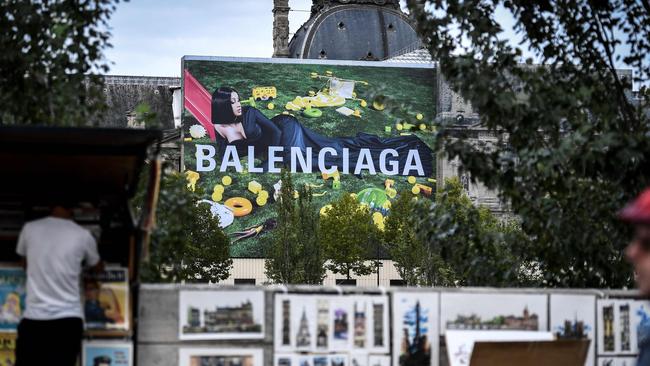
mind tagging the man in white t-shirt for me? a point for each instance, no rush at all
(55, 250)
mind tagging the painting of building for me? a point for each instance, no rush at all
(573, 316)
(286, 322)
(608, 325)
(378, 325)
(303, 338)
(359, 324)
(624, 321)
(231, 315)
(415, 347)
(220, 357)
(526, 321)
(322, 306)
(415, 328)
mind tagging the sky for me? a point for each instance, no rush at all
(149, 37)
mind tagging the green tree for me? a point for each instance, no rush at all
(572, 145)
(293, 254)
(51, 51)
(404, 247)
(464, 245)
(187, 243)
(346, 235)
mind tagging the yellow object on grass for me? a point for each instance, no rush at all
(270, 106)
(334, 175)
(192, 178)
(363, 103)
(261, 201)
(226, 180)
(254, 187)
(218, 188)
(411, 179)
(217, 196)
(419, 116)
(324, 209)
(321, 194)
(415, 190)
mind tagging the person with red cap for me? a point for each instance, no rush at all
(638, 253)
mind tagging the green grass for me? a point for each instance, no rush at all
(409, 91)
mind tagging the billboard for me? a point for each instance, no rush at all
(343, 127)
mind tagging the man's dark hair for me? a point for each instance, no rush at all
(222, 113)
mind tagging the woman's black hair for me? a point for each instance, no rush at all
(222, 113)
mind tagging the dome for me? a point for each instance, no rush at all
(355, 32)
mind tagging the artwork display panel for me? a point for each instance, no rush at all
(331, 323)
(212, 314)
(106, 300)
(221, 356)
(8, 349)
(107, 353)
(574, 317)
(416, 325)
(617, 325)
(480, 311)
(335, 359)
(12, 297)
(375, 360)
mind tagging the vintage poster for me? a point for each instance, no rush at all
(221, 356)
(107, 353)
(574, 317)
(221, 314)
(343, 127)
(106, 300)
(480, 311)
(331, 323)
(416, 325)
(617, 324)
(460, 343)
(12, 297)
(7, 349)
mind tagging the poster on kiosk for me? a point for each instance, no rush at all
(353, 127)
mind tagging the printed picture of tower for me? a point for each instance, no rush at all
(608, 328)
(322, 320)
(359, 324)
(286, 322)
(415, 347)
(624, 311)
(303, 336)
(378, 325)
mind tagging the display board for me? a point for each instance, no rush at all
(106, 300)
(617, 325)
(356, 326)
(107, 353)
(221, 356)
(12, 297)
(416, 325)
(574, 317)
(345, 127)
(221, 315)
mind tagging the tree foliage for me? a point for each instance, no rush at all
(450, 242)
(294, 254)
(572, 146)
(51, 51)
(347, 235)
(187, 243)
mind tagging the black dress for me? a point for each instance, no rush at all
(287, 131)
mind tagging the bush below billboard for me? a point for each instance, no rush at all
(355, 127)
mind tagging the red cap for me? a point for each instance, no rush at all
(637, 211)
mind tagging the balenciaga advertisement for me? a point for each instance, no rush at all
(342, 127)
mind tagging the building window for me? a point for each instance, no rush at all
(346, 282)
(397, 283)
(244, 281)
